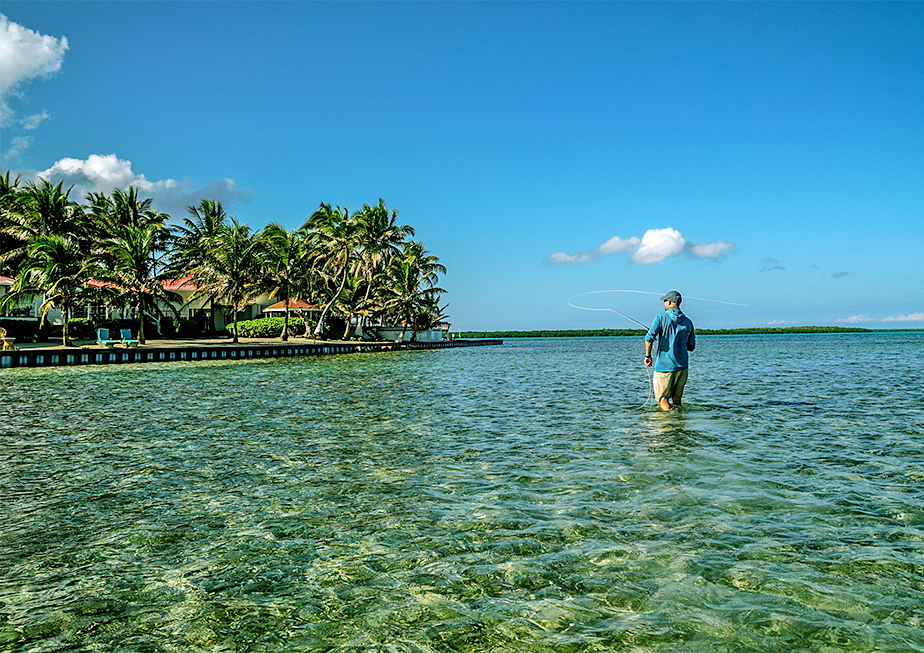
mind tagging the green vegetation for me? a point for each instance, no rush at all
(793, 329)
(564, 333)
(266, 327)
(592, 333)
(116, 253)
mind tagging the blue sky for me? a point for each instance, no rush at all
(755, 153)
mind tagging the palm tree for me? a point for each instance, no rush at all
(229, 267)
(123, 209)
(431, 314)
(351, 302)
(332, 234)
(428, 264)
(201, 225)
(40, 209)
(193, 241)
(34, 211)
(59, 270)
(285, 267)
(133, 270)
(8, 189)
(411, 285)
(9, 204)
(378, 239)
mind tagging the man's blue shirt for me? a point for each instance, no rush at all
(676, 338)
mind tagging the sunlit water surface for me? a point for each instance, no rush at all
(511, 498)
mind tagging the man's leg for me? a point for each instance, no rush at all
(679, 381)
(662, 389)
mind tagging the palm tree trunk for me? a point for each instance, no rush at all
(285, 323)
(361, 324)
(317, 329)
(64, 329)
(210, 331)
(140, 324)
(234, 313)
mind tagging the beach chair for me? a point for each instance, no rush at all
(102, 338)
(127, 338)
(7, 342)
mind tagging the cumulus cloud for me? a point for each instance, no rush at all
(657, 245)
(104, 173)
(654, 246)
(856, 319)
(24, 55)
(911, 317)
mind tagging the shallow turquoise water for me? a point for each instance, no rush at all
(513, 498)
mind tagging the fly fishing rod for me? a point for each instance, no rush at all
(654, 344)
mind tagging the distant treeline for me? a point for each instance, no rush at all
(567, 333)
(592, 333)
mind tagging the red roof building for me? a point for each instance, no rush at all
(294, 305)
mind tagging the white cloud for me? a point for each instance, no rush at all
(856, 319)
(654, 246)
(780, 322)
(18, 145)
(98, 173)
(563, 258)
(911, 317)
(617, 245)
(34, 121)
(104, 173)
(657, 245)
(24, 55)
(711, 250)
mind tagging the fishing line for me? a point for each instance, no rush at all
(645, 292)
(654, 344)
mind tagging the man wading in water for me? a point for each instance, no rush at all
(676, 338)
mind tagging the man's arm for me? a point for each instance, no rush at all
(649, 340)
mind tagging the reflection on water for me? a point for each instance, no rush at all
(507, 498)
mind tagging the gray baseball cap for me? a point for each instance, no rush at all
(672, 296)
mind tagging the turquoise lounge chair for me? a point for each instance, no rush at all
(127, 338)
(102, 338)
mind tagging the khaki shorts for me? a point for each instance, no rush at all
(669, 385)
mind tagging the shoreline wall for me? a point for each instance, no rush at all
(153, 354)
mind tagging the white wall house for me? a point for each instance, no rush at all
(392, 333)
(24, 311)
